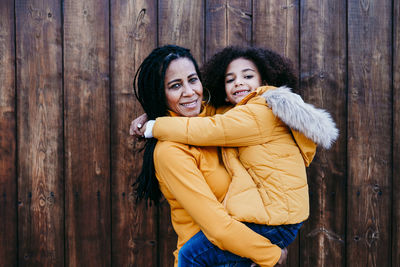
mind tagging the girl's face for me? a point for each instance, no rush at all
(183, 88)
(241, 78)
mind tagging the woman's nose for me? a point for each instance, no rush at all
(188, 90)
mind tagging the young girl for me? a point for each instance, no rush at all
(271, 173)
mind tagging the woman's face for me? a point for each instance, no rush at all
(183, 88)
(241, 78)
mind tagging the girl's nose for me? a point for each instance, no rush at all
(238, 81)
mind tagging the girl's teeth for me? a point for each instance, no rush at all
(241, 92)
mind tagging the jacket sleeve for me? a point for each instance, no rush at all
(243, 125)
(185, 181)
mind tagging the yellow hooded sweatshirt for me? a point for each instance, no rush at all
(265, 158)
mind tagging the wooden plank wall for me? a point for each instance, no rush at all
(369, 133)
(87, 133)
(323, 82)
(8, 138)
(67, 162)
(396, 133)
(134, 228)
(39, 133)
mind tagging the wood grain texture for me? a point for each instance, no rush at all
(323, 83)
(369, 133)
(239, 22)
(167, 238)
(276, 26)
(181, 22)
(216, 28)
(227, 23)
(40, 133)
(87, 133)
(396, 136)
(134, 228)
(8, 180)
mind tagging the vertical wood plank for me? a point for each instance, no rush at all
(87, 133)
(369, 133)
(396, 135)
(134, 228)
(40, 133)
(181, 23)
(228, 22)
(323, 83)
(216, 27)
(276, 26)
(239, 22)
(8, 181)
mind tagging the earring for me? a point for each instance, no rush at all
(209, 97)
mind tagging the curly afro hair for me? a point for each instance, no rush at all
(274, 69)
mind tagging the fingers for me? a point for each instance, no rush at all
(142, 129)
(136, 127)
(284, 258)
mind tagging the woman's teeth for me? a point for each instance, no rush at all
(191, 104)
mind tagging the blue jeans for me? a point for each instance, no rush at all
(198, 251)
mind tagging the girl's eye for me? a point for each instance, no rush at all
(248, 76)
(229, 80)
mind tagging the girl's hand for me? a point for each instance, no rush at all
(137, 127)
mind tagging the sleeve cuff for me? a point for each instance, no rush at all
(148, 133)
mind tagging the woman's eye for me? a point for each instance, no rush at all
(229, 80)
(248, 76)
(175, 86)
(193, 80)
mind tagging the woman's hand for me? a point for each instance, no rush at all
(138, 125)
(283, 257)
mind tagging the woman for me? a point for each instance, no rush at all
(193, 179)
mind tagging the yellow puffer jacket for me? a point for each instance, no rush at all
(194, 181)
(269, 183)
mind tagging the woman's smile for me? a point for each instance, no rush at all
(192, 104)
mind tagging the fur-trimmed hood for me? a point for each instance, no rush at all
(316, 124)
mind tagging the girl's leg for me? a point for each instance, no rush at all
(280, 235)
(199, 251)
